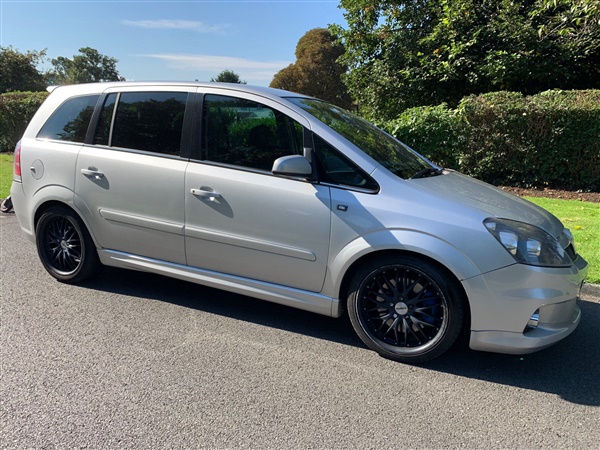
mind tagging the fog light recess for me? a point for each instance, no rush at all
(533, 321)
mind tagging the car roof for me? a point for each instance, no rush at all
(100, 87)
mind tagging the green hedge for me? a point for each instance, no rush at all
(16, 110)
(551, 139)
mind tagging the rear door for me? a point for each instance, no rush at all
(129, 182)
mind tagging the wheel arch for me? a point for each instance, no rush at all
(349, 274)
(428, 248)
(41, 209)
(51, 196)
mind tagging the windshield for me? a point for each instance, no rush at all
(387, 151)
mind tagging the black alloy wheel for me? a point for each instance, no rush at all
(65, 246)
(406, 309)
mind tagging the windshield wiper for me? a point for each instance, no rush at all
(428, 172)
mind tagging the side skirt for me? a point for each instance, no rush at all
(295, 298)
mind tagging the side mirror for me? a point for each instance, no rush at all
(292, 166)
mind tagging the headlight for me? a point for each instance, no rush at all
(528, 244)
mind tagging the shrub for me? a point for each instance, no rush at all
(435, 131)
(551, 139)
(16, 110)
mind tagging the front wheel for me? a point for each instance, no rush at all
(65, 246)
(405, 308)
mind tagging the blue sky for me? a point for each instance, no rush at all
(170, 40)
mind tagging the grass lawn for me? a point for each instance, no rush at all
(582, 218)
(6, 161)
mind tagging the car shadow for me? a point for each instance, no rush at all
(569, 369)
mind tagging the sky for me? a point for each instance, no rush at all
(170, 40)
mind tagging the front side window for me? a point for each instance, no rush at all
(148, 121)
(248, 134)
(71, 120)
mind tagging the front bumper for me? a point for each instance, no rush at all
(504, 301)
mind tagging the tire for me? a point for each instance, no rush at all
(65, 247)
(405, 308)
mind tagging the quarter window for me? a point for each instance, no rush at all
(149, 121)
(248, 134)
(71, 120)
(335, 168)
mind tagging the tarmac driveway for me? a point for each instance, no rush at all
(133, 360)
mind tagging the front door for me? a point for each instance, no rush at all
(240, 218)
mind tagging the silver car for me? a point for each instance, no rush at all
(293, 200)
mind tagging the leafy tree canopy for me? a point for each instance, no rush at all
(316, 71)
(403, 53)
(228, 76)
(18, 71)
(88, 66)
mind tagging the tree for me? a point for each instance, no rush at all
(18, 71)
(88, 66)
(404, 53)
(287, 79)
(228, 76)
(316, 71)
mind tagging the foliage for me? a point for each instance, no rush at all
(87, 67)
(546, 140)
(16, 110)
(435, 131)
(6, 169)
(403, 54)
(316, 71)
(228, 76)
(583, 219)
(18, 71)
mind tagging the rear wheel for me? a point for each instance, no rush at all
(65, 246)
(405, 308)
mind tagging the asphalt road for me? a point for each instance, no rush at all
(133, 360)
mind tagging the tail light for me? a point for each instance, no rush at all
(17, 163)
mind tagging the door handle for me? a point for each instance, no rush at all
(203, 193)
(92, 172)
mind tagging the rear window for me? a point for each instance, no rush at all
(71, 120)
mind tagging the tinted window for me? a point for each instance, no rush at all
(103, 131)
(150, 121)
(335, 168)
(380, 146)
(245, 133)
(70, 121)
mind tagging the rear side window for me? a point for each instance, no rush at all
(71, 120)
(149, 121)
